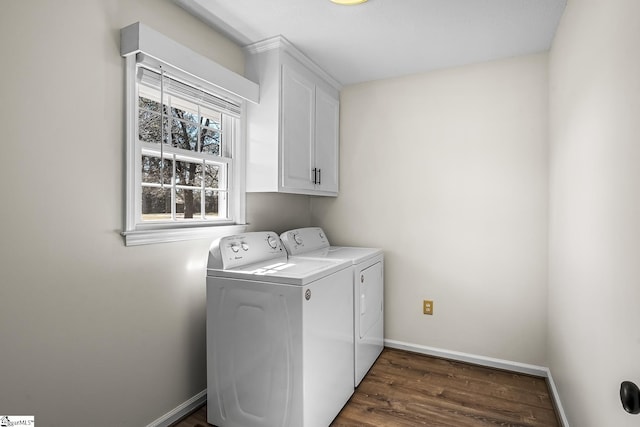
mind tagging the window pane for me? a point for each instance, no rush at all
(210, 118)
(156, 204)
(149, 102)
(211, 174)
(152, 170)
(184, 135)
(185, 115)
(186, 173)
(210, 141)
(188, 204)
(211, 205)
(149, 99)
(149, 129)
(184, 110)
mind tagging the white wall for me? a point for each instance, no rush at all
(92, 332)
(594, 269)
(447, 171)
(277, 212)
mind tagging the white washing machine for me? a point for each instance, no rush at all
(368, 289)
(279, 335)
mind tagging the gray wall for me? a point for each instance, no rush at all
(92, 332)
(447, 171)
(594, 268)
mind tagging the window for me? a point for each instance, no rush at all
(184, 178)
(185, 147)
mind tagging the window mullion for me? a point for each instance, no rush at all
(169, 122)
(199, 142)
(203, 214)
(162, 128)
(173, 189)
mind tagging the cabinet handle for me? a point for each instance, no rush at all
(315, 175)
(319, 176)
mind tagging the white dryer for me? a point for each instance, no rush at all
(279, 335)
(368, 289)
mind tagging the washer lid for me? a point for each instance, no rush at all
(354, 254)
(298, 271)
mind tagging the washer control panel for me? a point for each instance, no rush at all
(244, 249)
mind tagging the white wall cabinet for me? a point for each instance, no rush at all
(293, 134)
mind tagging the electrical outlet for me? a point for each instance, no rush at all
(427, 307)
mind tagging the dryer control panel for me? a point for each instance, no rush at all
(302, 240)
(244, 249)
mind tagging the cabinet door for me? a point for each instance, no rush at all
(326, 141)
(297, 115)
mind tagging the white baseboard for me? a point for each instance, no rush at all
(508, 365)
(181, 410)
(523, 368)
(556, 400)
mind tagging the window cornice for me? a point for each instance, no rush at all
(138, 38)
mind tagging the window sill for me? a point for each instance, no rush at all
(147, 237)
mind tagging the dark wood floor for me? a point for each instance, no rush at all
(408, 389)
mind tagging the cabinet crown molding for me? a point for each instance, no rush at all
(281, 42)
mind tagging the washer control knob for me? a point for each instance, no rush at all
(234, 247)
(297, 239)
(245, 246)
(322, 235)
(272, 241)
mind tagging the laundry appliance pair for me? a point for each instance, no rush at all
(293, 325)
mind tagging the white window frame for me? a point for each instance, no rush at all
(140, 44)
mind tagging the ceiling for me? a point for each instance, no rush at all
(389, 38)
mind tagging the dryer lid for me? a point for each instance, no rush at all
(354, 254)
